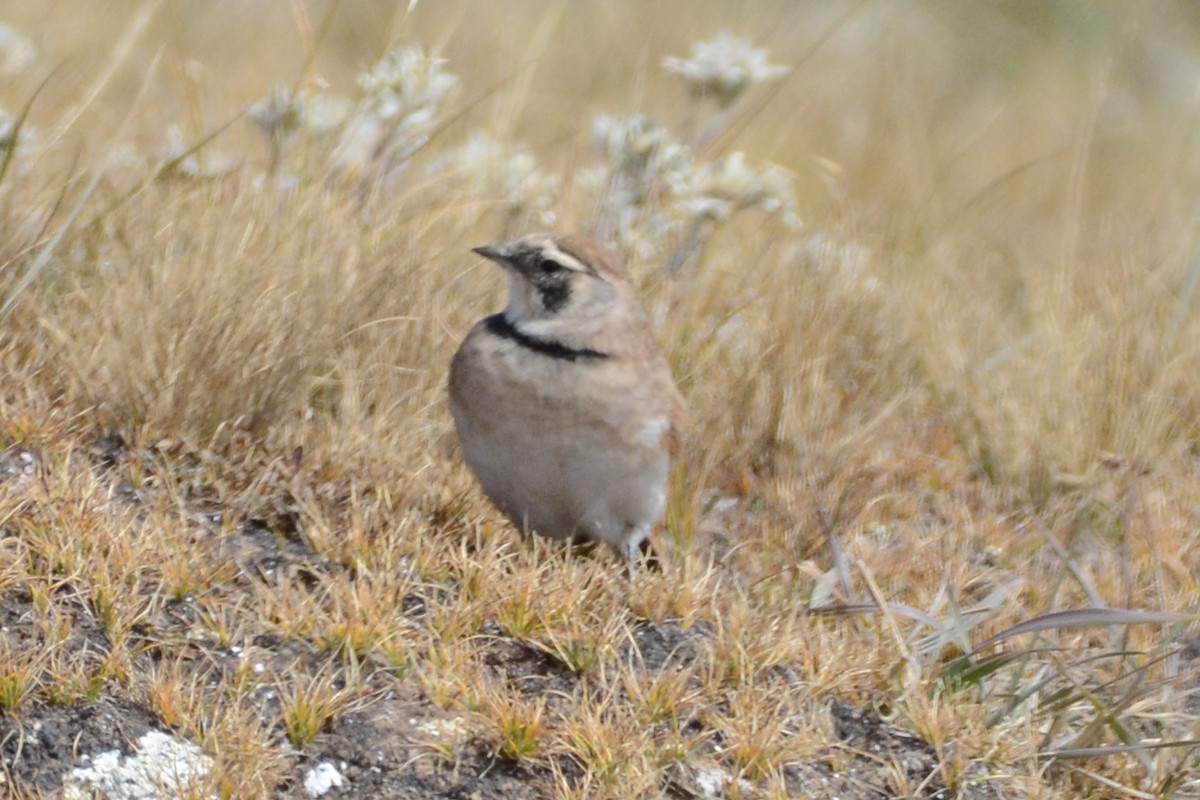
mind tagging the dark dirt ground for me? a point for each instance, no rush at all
(381, 746)
(381, 752)
(375, 748)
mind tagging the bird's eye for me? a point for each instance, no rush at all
(549, 266)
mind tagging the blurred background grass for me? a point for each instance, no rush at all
(1021, 174)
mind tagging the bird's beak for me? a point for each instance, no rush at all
(499, 254)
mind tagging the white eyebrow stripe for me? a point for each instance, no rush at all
(550, 250)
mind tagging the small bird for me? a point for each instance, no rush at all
(564, 405)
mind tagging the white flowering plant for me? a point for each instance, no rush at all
(724, 67)
(655, 189)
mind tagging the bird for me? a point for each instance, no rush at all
(564, 405)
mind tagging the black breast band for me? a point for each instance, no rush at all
(500, 326)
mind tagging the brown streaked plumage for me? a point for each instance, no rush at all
(564, 404)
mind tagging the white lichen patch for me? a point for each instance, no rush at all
(452, 729)
(163, 767)
(321, 778)
(711, 780)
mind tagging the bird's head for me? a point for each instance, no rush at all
(565, 278)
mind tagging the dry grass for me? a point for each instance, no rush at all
(964, 395)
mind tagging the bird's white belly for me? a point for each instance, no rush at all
(561, 479)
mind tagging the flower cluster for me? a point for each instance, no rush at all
(652, 189)
(719, 188)
(278, 115)
(724, 67)
(400, 108)
(489, 167)
(640, 163)
(283, 113)
(400, 105)
(641, 155)
(653, 186)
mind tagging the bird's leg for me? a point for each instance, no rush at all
(653, 562)
(637, 549)
(631, 558)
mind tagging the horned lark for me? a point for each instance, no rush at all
(564, 405)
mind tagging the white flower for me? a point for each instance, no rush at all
(359, 142)
(719, 188)
(406, 80)
(641, 161)
(18, 142)
(724, 67)
(653, 187)
(850, 260)
(507, 170)
(400, 108)
(642, 153)
(645, 233)
(325, 113)
(279, 114)
(194, 165)
(17, 52)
